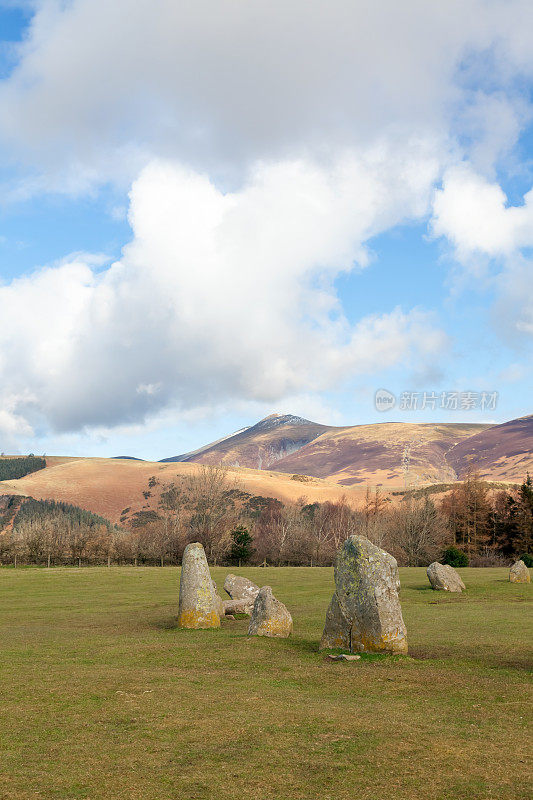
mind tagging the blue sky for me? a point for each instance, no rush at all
(207, 219)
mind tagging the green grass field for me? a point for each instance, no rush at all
(103, 698)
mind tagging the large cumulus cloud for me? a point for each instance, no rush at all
(217, 296)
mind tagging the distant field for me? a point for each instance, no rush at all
(103, 698)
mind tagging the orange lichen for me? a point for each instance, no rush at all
(195, 619)
(389, 643)
(274, 627)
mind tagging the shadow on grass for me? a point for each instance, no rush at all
(441, 596)
(170, 623)
(419, 589)
(303, 645)
(165, 623)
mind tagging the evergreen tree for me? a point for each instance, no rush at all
(525, 516)
(241, 549)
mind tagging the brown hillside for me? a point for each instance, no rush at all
(108, 486)
(385, 453)
(502, 452)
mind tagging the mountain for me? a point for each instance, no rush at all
(389, 452)
(501, 452)
(259, 446)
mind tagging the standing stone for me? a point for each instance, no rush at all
(519, 573)
(269, 616)
(241, 589)
(337, 630)
(365, 614)
(443, 576)
(219, 603)
(198, 605)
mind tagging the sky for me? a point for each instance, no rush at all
(211, 211)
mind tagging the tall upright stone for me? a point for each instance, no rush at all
(519, 573)
(365, 614)
(198, 607)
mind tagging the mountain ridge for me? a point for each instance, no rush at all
(337, 462)
(380, 452)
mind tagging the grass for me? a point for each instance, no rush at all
(102, 697)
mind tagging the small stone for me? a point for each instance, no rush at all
(269, 616)
(519, 573)
(197, 603)
(343, 657)
(236, 606)
(365, 614)
(443, 576)
(240, 588)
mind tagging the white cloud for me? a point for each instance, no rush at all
(148, 388)
(12, 424)
(493, 122)
(218, 296)
(473, 214)
(101, 87)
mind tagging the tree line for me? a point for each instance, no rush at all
(50, 532)
(13, 468)
(486, 527)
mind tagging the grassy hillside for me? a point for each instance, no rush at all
(104, 699)
(305, 460)
(107, 486)
(387, 453)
